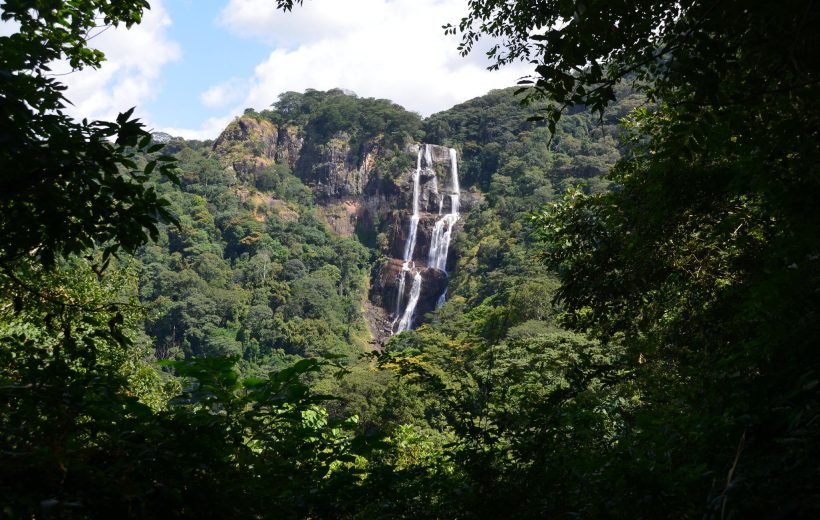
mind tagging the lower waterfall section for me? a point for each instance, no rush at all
(409, 312)
(440, 235)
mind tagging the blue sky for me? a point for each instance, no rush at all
(209, 54)
(193, 65)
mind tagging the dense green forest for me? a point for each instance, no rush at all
(191, 329)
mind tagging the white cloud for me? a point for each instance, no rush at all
(132, 70)
(393, 49)
(211, 128)
(219, 96)
(316, 19)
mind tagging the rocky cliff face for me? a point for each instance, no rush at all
(341, 173)
(335, 169)
(338, 171)
(249, 145)
(433, 183)
(385, 292)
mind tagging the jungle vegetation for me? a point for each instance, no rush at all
(632, 324)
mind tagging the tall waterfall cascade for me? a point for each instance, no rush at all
(406, 318)
(440, 240)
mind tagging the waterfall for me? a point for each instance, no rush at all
(409, 247)
(440, 240)
(443, 229)
(409, 313)
(400, 295)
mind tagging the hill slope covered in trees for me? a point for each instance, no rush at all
(285, 218)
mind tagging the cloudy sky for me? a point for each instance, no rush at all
(193, 65)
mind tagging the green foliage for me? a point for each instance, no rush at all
(66, 185)
(78, 443)
(70, 368)
(325, 114)
(246, 274)
(514, 166)
(686, 386)
(87, 427)
(701, 262)
(523, 424)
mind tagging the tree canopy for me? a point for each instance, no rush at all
(582, 50)
(701, 261)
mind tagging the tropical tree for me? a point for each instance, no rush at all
(68, 185)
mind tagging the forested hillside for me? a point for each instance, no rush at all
(624, 322)
(287, 217)
(250, 272)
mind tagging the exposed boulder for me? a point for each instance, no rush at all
(378, 323)
(470, 199)
(341, 216)
(424, 234)
(288, 145)
(385, 285)
(434, 283)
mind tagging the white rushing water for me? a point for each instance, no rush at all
(410, 245)
(439, 243)
(443, 229)
(409, 248)
(410, 312)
